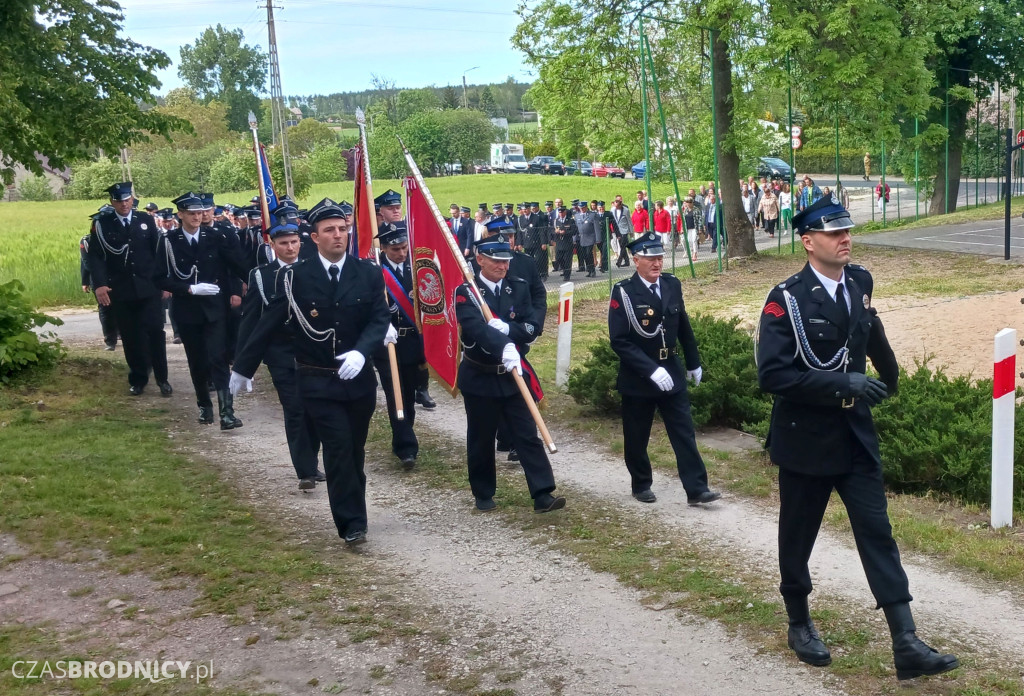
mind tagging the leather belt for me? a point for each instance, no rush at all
(314, 370)
(406, 330)
(487, 368)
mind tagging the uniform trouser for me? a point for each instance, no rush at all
(204, 348)
(803, 499)
(403, 438)
(540, 260)
(423, 378)
(637, 418)
(586, 254)
(170, 314)
(482, 416)
(303, 443)
(341, 426)
(234, 319)
(623, 257)
(602, 247)
(563, 257)
(108, 324)
(140, 323)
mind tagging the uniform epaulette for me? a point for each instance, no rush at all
(514, 279)
(855, 267)
(792, 280)
(622, 283)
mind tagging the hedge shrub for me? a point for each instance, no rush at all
(20, 347)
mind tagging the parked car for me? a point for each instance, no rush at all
(639, 169)
(581, 167)
(608, 170)
(544, 164)
(773, 168)
(480, 167)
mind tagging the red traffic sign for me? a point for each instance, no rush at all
(1020, 137)
(796, 131)
(797, 143)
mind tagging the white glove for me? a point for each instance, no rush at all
(498, 324)
(204, 289)
(510, 358)
(236, 383)
(695, 375)
(662, 379)
(392, 335)
(351, 364)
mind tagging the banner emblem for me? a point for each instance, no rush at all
(430, 286)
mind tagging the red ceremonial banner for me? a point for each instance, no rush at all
(436, 275)
(361, 242)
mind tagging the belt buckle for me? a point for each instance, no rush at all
(849, 405)
(501, 369)
(663, 354)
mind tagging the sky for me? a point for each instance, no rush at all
(327, 46)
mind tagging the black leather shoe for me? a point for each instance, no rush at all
(206, 414)
(807, 644)
(135, 391)
(646, 496)
(165, 389)
(502, 446)
(485, 504)
(307, 484)
(111, 346)
(424, 400)
(545, 502)
(513, 455)
(320, 476)
(409, 462)
(176, 340)
(355, 537)
(705, 497)
(912, 657)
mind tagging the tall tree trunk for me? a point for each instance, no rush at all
(737, 225)
(959, 76)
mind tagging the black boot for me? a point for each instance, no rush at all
(803, 636)
(423, 398)
(205, 415)
(912, 657)
(227, 410)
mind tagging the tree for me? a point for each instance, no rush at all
(450, 99)
(71, 83)
(487, 104)
(219, 66)
(209, 123)
(308, 133)
(326, 163)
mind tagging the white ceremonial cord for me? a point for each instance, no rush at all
(307, 328)
(803, 346)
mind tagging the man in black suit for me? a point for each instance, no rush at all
(107, 323)
(490, 349)
(817, 330)
(397, 267)
(198, 266)
(279, 354)
(564, 230)
(646, 322)
(123, 263)
(533, 239)
(334, 306)
(466, 232)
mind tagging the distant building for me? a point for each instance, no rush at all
(295, 115)
(56, 178)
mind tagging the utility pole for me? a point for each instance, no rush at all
(279, 127)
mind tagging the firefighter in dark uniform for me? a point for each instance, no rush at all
(107, 323)
(564, 233)
(123, 262)
(279, 354)
(334, 306)
(395, 260)
(234, 316)
(647, 321)
(548, 220)
(533, 238)
(198, 266)
(816, 332)
(490, 349)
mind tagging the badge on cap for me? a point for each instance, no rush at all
(867, 301)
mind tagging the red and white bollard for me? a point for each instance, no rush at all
(564, 333)
(1003, 407)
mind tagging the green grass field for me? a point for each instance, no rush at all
(39, 241)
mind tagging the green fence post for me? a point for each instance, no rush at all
(885, 203)
(671, 163)
(647, 135)
(977, 140)
(946, 197)
(720, 225)
(837, 148)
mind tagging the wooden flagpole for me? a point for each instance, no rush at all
(467, 273)
(396, 385)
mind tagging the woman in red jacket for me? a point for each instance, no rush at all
(640, 219)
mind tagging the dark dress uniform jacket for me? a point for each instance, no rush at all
(264, 284)
(130, 276)
(810, 429)
(355, 311)
(484, 344)
(217, 260)
(409, 347)
(639, 356)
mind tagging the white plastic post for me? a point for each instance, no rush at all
(564, 333)
(1003, 406)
